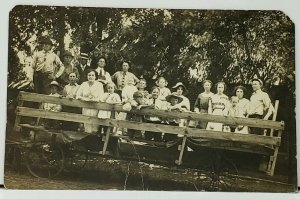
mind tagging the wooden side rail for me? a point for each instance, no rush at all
(268, 145)
(234, 121)
(191, 132)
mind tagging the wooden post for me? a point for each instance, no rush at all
(107, 134)
(274, 157)
(182, 146)
(18, 117)
(272, 133)
(274, 115)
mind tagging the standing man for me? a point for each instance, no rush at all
(46, 66)
(83, 67)
(121, 77)
(260, 105)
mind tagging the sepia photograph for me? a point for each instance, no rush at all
(150, 99)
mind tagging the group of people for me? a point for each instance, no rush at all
(95, 84)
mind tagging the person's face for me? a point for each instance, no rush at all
(161, 83)
(180, 90)
(140, 100)
(68, 59)
(53, 89)
(83, 61)
(207, 86)
(174, 101)
(220, 88)
(234, 102)
(239, 93)
(110, 89)
(142, 84)
(155, 93)
(255, 85)
(47, 47)
(125, 66)
(91, 76)
(101, 63)
(72, 77)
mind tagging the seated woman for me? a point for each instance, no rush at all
(181, 90)
(90, 91)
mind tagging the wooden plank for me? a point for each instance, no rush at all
(251, 122)
(194, 132)
(18, 117)
(234, 146)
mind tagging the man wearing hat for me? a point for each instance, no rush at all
(69, 68)
(260, 104)
(83, 67)
(46, 67)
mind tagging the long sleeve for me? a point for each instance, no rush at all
(60, 65)
(79, 94)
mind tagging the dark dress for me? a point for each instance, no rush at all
(202, 104)
(82, 73)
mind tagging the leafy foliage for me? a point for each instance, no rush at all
(233, 46)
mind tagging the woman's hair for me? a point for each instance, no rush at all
(92, 70)
(239, 87)
(221, 82)
(205, 81)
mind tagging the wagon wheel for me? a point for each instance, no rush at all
(76, 158)
(222, 174)
(44, 160)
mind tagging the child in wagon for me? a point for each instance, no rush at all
(173, 105)
(49, 123)
(69, 92)
(111, 98)
(138, 103)
(236, 111)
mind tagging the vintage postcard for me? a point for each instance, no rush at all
(150, 99)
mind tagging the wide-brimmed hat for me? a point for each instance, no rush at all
(84, 56)
(46, 41)
(174, 95)
(67, 53)
(180, 84)
(54, 83)
(259, 80)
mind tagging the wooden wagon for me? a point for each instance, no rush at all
(267, 144)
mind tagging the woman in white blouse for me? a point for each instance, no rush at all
(90, 91)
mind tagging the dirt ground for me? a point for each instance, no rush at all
(104, 174)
